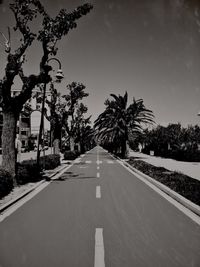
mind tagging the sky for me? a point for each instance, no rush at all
(151, 49)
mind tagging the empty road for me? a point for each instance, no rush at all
(98, 214)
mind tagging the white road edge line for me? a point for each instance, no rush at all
(178, 205)
(21, 202)
(98, 191)
(98, 174)
(99, 258)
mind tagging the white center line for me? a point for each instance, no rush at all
(98, 191)
(98, 167)
(98, 174)
(99, 258)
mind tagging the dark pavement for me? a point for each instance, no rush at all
(57, 227)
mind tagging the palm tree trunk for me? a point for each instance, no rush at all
(123, 149)
(79, 147)
(8, 142)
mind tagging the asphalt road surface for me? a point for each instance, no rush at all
(98, 214)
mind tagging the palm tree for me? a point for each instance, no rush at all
(119, 120)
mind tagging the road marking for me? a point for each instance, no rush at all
(99, 258)
(99, 162)
(98, 174)
(98, 191)
(110, 161)
(97, 153)
(98, 167)
(88, 161)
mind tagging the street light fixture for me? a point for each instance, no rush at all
(59, 76)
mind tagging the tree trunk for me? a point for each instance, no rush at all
(71, 143)
(56, 146)
(8, 142)
(125, 149)
(79, 147)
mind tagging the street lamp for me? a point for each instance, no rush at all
(59, 76)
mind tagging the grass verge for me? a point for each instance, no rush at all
(180, 183)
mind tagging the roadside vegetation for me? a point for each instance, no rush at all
(173, 141)
(180, 183)
(70, 114)
(27, 171)
(48, 34)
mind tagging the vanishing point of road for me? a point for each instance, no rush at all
(98, 214)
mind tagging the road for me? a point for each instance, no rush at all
(98, 214)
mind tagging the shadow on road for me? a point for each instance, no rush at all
(72, 176)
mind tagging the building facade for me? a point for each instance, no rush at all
(29, 122)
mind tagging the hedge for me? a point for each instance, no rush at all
(29, 172)
(6, 182)
(71, 155)
(51, 161)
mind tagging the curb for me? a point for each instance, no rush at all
(179, 198)
(27, 192)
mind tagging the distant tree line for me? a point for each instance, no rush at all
(173, 141)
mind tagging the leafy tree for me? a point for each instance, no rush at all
(80, 123)
(52, 30)
(74, 110)
(55, 117)
(119, 120)
(191, 137)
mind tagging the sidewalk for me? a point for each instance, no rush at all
(30, 155)
(191, 169)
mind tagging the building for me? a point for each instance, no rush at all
(29, 123)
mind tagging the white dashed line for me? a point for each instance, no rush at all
(88, 161)
(98, 167)
(99, 162)
(98, 174)
(110, 162)
(98, 191)
(99, 258)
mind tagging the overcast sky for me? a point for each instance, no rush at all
(149, 48)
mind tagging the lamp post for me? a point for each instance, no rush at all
(59, 77)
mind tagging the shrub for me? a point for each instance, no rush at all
(6, 182)
(28, 172)
(70, 155)
(51, 161)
